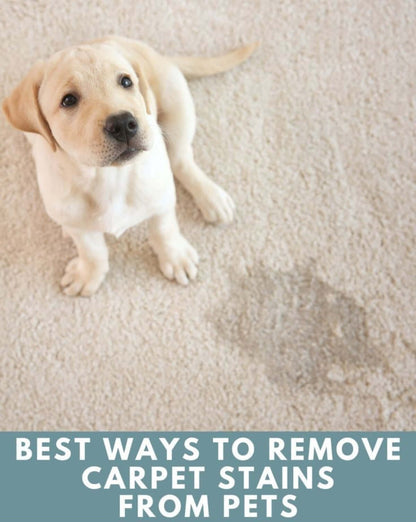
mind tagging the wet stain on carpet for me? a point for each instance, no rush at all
(305, 332)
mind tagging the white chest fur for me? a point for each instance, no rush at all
(105, 199)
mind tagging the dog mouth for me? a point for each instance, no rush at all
(129, 151)
(127, 155)
(120, 153)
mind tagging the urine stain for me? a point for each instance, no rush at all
(304, 332)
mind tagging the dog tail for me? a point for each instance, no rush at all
(197, 66)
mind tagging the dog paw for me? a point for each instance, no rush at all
(215, 204)
(82, 278)
(177, 260)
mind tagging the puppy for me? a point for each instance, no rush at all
(110, 122)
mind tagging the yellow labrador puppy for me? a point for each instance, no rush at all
(109, 121)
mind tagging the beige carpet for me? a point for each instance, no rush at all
(303, 314)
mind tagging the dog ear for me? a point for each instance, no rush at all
(22, 106)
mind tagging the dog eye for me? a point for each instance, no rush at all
(69, 100)
(125, 82)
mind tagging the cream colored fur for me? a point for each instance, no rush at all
(86, 185)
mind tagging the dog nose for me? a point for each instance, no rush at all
(121, 126)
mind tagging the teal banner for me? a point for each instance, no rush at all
(306, 477)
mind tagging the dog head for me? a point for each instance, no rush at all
(90, 101)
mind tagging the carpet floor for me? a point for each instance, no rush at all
(303, 313)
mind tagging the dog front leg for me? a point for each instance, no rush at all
(85, 273)
(177, 258)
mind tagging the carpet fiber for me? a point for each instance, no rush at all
(303, 313)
